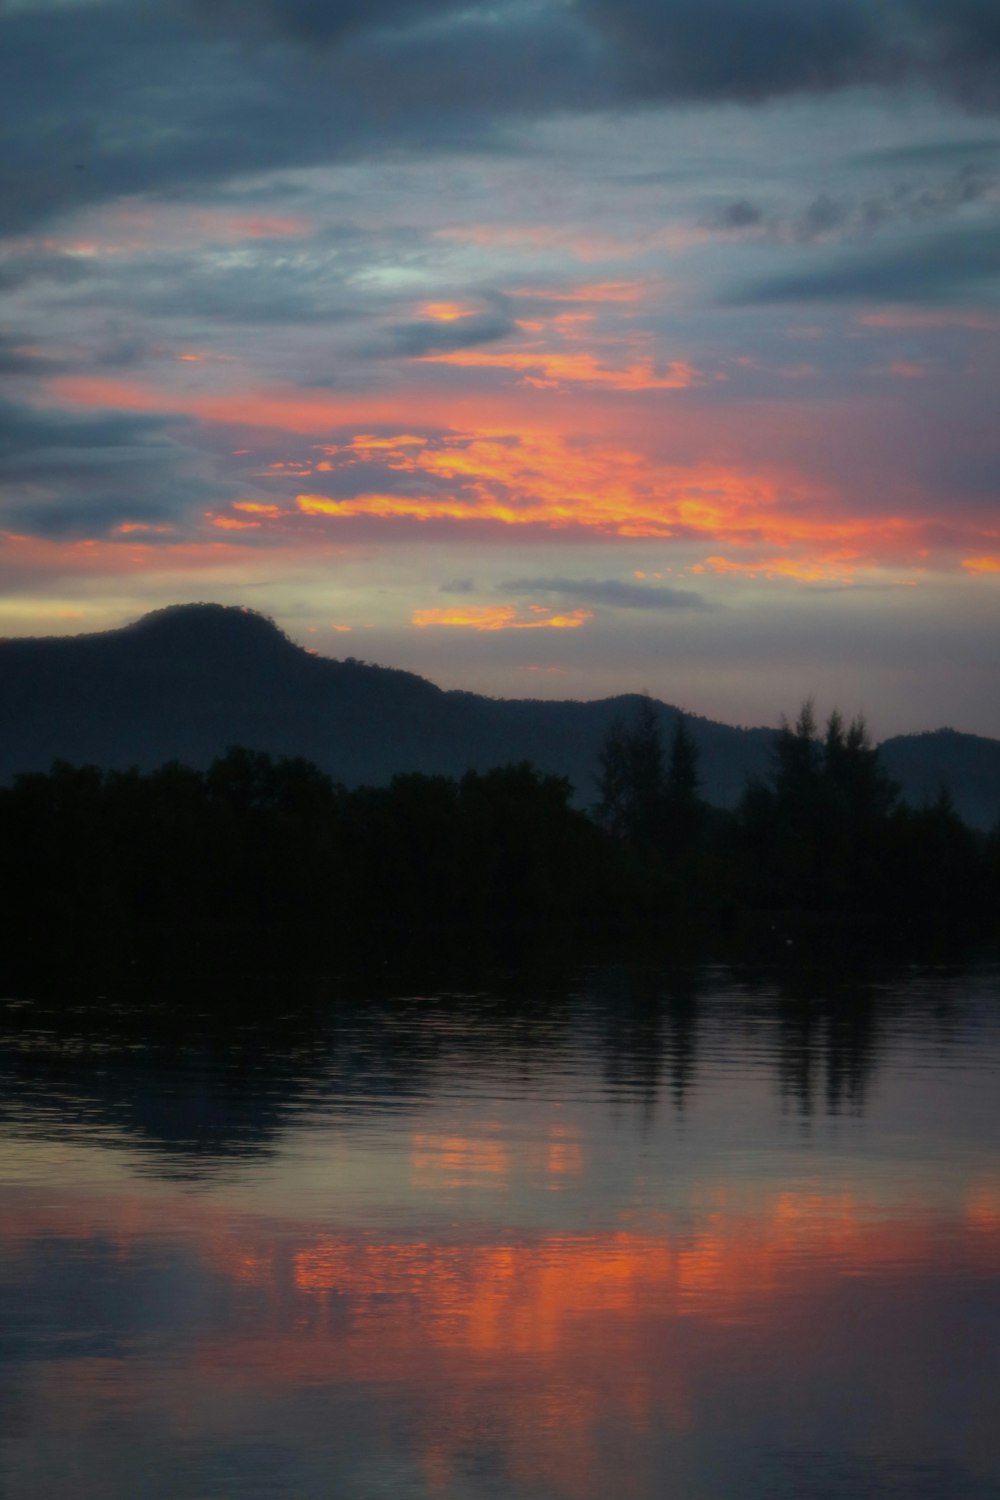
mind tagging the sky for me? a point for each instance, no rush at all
(547, 348)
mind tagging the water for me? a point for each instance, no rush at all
(695, 1235)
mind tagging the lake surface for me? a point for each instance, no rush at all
(702, 1235)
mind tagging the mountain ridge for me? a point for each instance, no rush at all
(187, 681)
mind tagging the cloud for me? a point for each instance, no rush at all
(428, 336)
(20, 358)
(932, 153)
(616, 593)
(117, 99)
(317, 22)
(494, 617)
(67, 475)
(828, 216)
(953, 266)
(731, 50)
(20, 270)
(728, 49)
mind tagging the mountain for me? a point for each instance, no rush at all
(966, 765)
(185, 682)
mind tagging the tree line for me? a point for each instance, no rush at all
(257, 843)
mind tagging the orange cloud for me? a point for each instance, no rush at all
(465, 459)
(257, 508)
(445, 312)
(540, 478)
(981, 564)
(501, 617)
(813, 571)
(232, 523)
(555, 369)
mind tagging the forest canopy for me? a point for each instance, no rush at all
(264, 843)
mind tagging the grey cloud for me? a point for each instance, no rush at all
(315, 22)
(85, 474)
(932, 153)
(826, 215)
(734, 50)
(17, 271)
(117, 99)
(949, 267)
(728, 49)
(291, 281)
(610, 591)
(69, 518)
(24, 430)
(18, 359)
(431, 336)
(962, 47)
(740, 215)
(458, 586)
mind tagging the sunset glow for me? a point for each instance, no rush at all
(502, 617)
(736, 330)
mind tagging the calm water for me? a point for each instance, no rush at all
(703, 1236)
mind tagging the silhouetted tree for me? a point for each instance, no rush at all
(683, 810)
(632, 779)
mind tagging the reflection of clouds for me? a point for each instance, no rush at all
(456, 1161)
(568, 1358)
(450, 1161)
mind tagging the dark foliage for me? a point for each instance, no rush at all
(824, 836)
(94, 858)
(257, 843)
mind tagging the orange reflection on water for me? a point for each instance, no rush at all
(460, 1160)
(565, 1347)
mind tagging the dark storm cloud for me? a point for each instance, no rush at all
(87, 474)
(109, 99)
(734, 49)
(751, 50)
(609, 591)
(316, 22)
(24, 430)
(965, 36)
(948, 267)
(113, 100)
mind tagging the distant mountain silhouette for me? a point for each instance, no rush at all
(186, 682)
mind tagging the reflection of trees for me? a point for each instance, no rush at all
(650, 1031)
(827, 1035)
(200, 1073)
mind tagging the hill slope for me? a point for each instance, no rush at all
(186, 682)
